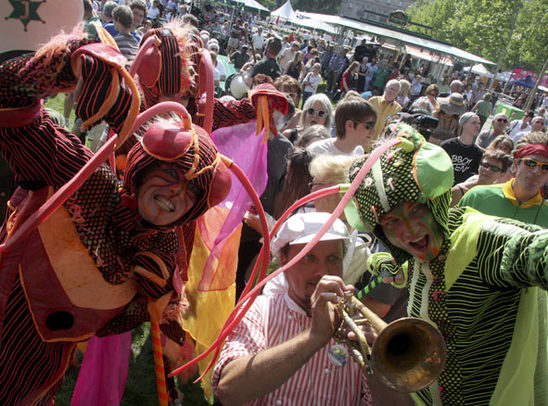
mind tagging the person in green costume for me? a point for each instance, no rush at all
(475, 277)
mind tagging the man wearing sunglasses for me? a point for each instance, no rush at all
(520, 198)
(500, 121)
(354, 128)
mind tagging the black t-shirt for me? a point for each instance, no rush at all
(239, 59)
(466, 158)
(267, 66)
(360, 52)
(236, 32)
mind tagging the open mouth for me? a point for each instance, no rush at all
(164, 203)
(420, 243)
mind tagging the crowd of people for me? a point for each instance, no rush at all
(453, 218)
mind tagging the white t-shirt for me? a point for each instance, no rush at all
(153, 13)
(221, 69)
(328, 147)
(520, 135)
(515, 127)
(258, 41)
(313, 82)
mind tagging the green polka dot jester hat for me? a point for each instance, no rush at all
(413, 171)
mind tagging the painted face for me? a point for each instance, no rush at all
(324, 259)
(315, 115)
(531, 178)
(412, 228)
(164, 195)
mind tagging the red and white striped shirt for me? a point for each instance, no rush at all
(330, 377)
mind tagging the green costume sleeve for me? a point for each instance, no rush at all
(513, 254)
(383, 264)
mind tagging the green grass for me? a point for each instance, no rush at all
(57, 103)
(141, 380)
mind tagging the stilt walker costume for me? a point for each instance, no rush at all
(97, 262)
(481, 289)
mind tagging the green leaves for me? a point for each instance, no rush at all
(483, 27)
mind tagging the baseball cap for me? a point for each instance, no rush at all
(302, 227)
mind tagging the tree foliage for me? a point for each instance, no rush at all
(483, 27)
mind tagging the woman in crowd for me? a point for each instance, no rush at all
(326, 171)
(316, 110)
(312, 134)
(428, 103)
(296, 69)
(291, 88)
(403, 98)
(483, 108)
(349, 79)
(311, 81)
(502, 143)
(297, 180)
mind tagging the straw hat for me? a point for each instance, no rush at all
(453, 104)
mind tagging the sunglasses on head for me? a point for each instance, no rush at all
(487, 165)
(532, 163)
(319, 113)
(502, 120)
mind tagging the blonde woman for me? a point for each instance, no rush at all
(403, 98)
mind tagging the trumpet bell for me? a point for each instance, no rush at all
(408, 355)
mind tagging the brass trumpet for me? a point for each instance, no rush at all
(407, 355)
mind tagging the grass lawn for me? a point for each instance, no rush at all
(141, 381)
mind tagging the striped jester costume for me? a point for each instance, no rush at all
(483, 290)
(94, 265)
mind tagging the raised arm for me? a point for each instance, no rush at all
(243, 379)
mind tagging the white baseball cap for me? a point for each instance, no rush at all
(302, 227)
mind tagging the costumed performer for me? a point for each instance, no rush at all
(473, 276)
(107, 259)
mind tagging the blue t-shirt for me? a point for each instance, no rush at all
(112, 31)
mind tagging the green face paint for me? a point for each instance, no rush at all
(412, 228)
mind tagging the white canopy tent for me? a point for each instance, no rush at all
(287, 13)
(252, 4)
(479, 69)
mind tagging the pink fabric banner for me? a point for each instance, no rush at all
(103, 374)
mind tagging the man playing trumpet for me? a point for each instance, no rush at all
(282, 352)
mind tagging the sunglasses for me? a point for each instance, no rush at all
(531, 163)
(367, 124)
(487, 165)
(502, 120)
(319, 113)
